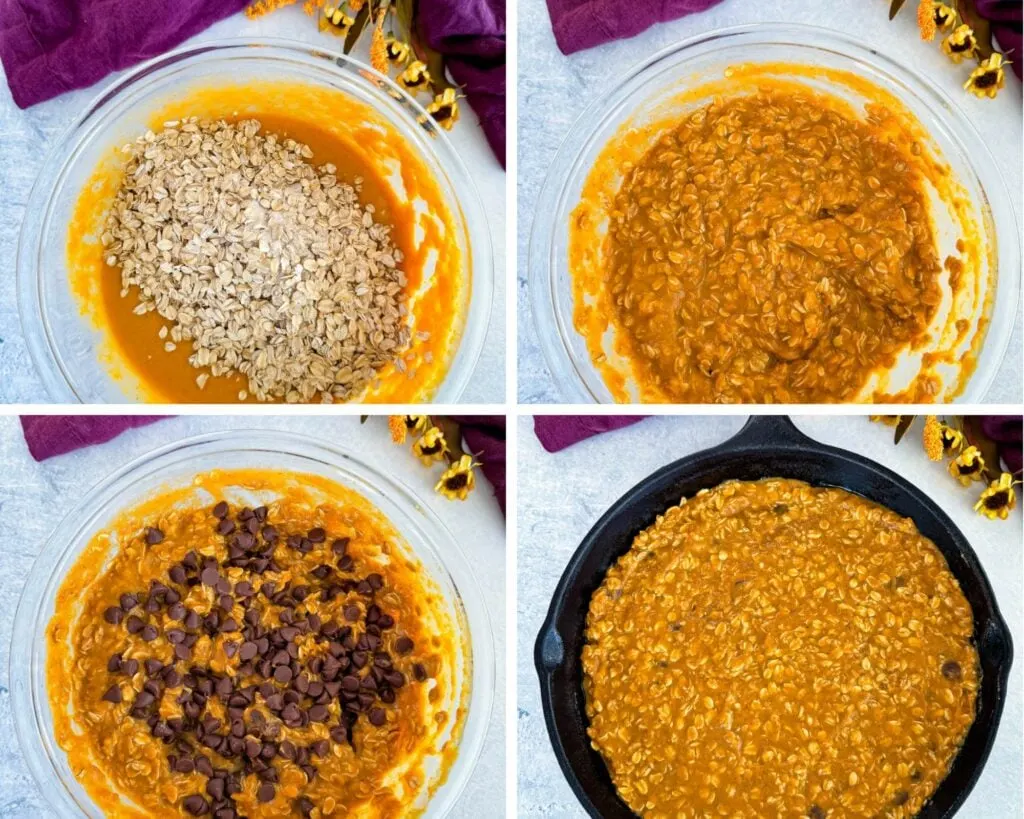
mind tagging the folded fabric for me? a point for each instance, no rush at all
(1007, 19)
(485, 435)
(1008, 432)
(52, 46)
(580, 24)
(471, 35)
(50, 435)
(556, 432)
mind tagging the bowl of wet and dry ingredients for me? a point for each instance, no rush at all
(774, 214)
(251, 626)
(254, 221)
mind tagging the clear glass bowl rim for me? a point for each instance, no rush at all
(553, 331)
(468, 208)
(27, 672)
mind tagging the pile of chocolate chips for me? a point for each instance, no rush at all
(354, 669)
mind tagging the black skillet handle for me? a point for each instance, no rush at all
(549, 651)
(768, 430)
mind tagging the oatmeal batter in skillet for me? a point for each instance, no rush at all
(776, 649)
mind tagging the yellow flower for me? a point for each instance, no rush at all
(952, 440)
(968, 466)
(430, 447)
(458, 480)
(998, 499)
(445, 109)
(338, 21)
(961, 43)
(402, 425)
(356, 5)
(378, 50)
(926, 19)
(988, 77)
(943, 15)
(398, 52)
(933, 438)
(415, 77)
(888, 420)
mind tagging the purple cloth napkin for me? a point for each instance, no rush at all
(556, 432)
(471, 35)
(52, 46)
(581, 24)
(1008, 432)
(485, 434)
(50, 435)
(1006, 17)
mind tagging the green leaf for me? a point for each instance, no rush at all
(894, 9)
(404, 12)
(902, 426)
(362, 18)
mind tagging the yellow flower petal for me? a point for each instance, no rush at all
(398, 52)
(416, 77)
(952, 440)
(998, 499)
(431, 447)
(968, 466)
(458, 480)
(988, 77)
(445, 109)
(960, 44)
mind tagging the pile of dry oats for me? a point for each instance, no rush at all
(265, 262)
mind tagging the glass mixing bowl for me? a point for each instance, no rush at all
(64, 345)
(706, 58)
(175, 465)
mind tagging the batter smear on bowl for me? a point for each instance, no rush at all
(771, 249)
(771, 648)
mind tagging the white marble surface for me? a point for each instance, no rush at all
(24, 140)
(560, 496)
(554, 90)
(34, 497)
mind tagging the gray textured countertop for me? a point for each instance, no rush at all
(34, 497)
(562, 495)
(554, 90)
(24, 142)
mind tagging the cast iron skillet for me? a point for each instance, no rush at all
(767, 446)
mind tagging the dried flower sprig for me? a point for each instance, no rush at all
(420, 69)
(438, 439)
(969, 37)
(967, 462)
